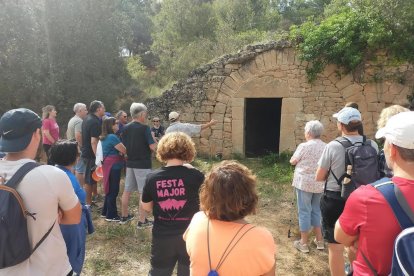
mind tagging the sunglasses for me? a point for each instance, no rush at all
(156, 121)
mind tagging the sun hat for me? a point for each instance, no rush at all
(347, 114)
(16, 129)
(399, 130)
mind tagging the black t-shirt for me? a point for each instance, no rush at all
(158, 132)
(91, 127)
(174, 192)
(137, 138)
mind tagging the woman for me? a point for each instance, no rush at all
(308, 191)
(64, 154)
(171, 193)
(50, 129)
(112, 164)
(387, 113)
(219, 238)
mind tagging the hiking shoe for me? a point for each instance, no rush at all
(126, 219)
(103, 216)
(115, 219)
(301, 247)
(320, 245)
(145, 224)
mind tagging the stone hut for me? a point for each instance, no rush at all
(262, 99)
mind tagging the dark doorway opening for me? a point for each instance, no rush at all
(262, 126)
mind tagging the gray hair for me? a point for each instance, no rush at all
(314, 128)
(136, 109)
(78, 106)
(119, 113)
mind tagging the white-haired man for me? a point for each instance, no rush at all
(189, 129)
(45, 190)
(74, 132)
(139, 143)
(368, 219)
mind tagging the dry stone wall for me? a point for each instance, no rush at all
(218, 91)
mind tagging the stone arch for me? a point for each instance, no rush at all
(218, 91)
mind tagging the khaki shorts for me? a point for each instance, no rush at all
(135, 179)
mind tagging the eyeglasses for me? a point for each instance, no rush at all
(155, 121)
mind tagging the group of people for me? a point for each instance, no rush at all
(364, 223)
(218, 239)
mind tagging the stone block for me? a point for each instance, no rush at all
(396, 88)
(351, 90)
(223, 98)
(232, 66)
(227, 120)
(217, 134)
(207, 108)
(260, 63)
(270, 59)
(375, 107)
(227, 90)
(218, 117)
(204, 141)
(231, 83)
(227, 135)
(292, 105)
(202, 117)
(343, 82)
(237, 102)
(291, 53)
(211, 94)
(279, 57)
(237, 77)
(329, 70)
(245, 72)
(237, 136)
(227, 153)
(217, 126)
(227, 126)
(220, 108)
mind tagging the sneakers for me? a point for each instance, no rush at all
(301, 247)
(145, 224)
(124, 220)
(115, 219)
(103, 216)
(320, 245)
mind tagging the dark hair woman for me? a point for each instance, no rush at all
(112, 164)
(219, 240)
(64, 153)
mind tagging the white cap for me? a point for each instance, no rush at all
(348, 114)
(173, 116)
(399, 130)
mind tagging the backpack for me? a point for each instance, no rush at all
(403, 251)
(363, 158)
(15, 246)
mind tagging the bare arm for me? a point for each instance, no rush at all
(94, 144)
(321, 174)
(209, 124)
(78, 138)
(153, 146)
(342, 237)
(72, 216)
(272, 272)
(147, 206)
(121, 148)
(293, 161)
(46, 133)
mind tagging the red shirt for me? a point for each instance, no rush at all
(52, 126)
(368, 215)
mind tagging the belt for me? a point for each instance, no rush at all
(334, 195)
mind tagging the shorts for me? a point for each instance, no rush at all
(89, 168)
(80, 166)
(135, 179)
(331, 209)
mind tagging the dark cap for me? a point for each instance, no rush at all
(16, 129)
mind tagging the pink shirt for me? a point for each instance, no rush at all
(52, 126)
(368, 215)
(307, 154)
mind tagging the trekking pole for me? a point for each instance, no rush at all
(291, 217)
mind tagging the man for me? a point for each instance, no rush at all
(157, 129)
(367, 219)
(139, 143)
(189, 129)
(331, 166)
(44, 190)
(74, 132)
(122, 118)
(91, 129)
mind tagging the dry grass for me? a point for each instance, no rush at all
(124, 250)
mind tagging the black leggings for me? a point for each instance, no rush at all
(46, 148)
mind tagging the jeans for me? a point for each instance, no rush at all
(109, 209)
(308, 209)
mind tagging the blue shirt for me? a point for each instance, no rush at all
(79, 191)
(108, 148)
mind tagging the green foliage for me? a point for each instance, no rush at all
(135, 68)
(349, 36)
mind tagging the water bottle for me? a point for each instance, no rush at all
(347, 185)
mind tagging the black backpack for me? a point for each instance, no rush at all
(15, 246)
(364, 160)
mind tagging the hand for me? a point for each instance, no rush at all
(213, 122)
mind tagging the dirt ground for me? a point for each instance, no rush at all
(123, 250)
